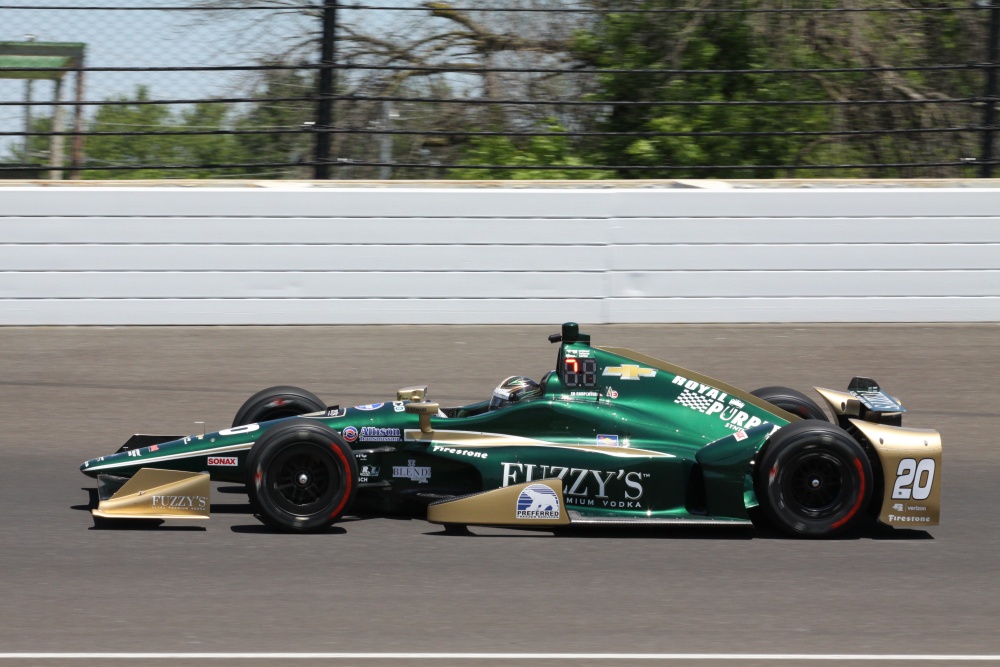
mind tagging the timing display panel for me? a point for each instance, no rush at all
(578, 373)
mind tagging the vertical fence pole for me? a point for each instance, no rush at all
(327, 83)
(990, 113)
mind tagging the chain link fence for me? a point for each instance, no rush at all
(498, 89)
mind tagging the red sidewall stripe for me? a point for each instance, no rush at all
(861, 496)
(347, 476)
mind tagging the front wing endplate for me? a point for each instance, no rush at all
(911, 465)
(159, 494)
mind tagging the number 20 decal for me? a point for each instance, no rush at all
(914, 479)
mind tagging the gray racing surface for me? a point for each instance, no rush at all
(402, 585)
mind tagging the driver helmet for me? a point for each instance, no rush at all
(513, 389)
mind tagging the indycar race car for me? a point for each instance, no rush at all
(609, 436)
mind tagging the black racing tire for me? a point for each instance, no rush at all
(277, 403)
(301, 477)
(813, 480)
(792, 401)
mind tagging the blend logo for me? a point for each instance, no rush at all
(191, 503)
(412, 472)
(537, 502)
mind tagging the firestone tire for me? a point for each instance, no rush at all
(792, 401)
(813, 480)
(302, 476)
(277, 403)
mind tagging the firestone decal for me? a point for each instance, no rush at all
(582, 486)
(370, 406)
(708, 400)
(537, 502)
(460, 452)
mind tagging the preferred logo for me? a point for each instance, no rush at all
(537, 502)
(350, 433)
(223, 461)
(371, 406)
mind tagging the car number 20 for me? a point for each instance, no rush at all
(914, 479)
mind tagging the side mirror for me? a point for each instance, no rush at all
(425, 410)
(416, 394)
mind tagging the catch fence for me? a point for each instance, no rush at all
(498, 89)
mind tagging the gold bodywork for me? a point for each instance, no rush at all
(499, 507)
(160, 494)
(426, 411)
(841, 402)
(416, 394)
(911, 465)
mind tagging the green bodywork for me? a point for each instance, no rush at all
(648, 442)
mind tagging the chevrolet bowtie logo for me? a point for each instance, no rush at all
(630, 372)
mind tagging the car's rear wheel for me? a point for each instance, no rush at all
(277, 403)
(302, 476)
(813, 480)
(792, 401)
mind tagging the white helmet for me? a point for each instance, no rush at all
(513, 389)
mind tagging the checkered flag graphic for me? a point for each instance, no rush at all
(694, 401)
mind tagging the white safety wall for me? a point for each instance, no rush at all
(307, 255)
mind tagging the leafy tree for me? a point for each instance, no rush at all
(553, 151)
(705, 135)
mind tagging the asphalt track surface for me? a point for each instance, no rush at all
(401, 585)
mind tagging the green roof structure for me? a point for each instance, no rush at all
(52, 61)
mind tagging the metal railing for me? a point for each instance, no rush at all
(501, 89)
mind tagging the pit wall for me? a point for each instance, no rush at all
(296, 254)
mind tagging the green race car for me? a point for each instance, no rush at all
(610, 436)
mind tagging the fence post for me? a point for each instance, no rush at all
(327, 83)
(990, 113)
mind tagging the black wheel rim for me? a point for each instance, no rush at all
(303, 479)
(816, 485)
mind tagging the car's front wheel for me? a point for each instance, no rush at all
(301, 476)
(813, 479)
(277, 403)
(792, 401)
